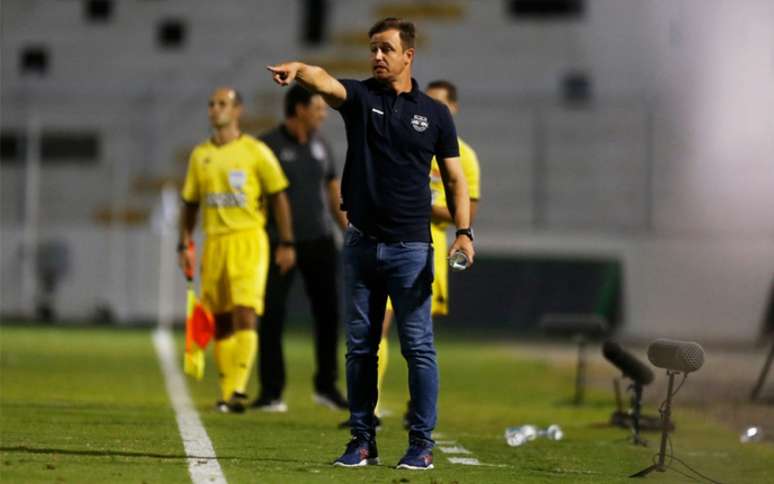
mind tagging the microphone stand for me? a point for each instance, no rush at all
(580, 370)
(636, 412)
(665, 416)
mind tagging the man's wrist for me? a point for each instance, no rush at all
(468, 232)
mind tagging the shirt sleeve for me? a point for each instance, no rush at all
(270, 172)
(446, 146)
(190, 192)
(354, 99)
(471, 169)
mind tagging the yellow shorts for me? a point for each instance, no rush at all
(233, 271)
(440, 304)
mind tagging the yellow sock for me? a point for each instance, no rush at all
(383, 355)
(224, 359)
(244, 357)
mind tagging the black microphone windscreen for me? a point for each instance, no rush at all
(629, 365)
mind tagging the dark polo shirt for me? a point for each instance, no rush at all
(391, 141)
(309, 168)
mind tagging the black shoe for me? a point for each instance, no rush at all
(332, 399)
(347, 424)
(266, 404)
(237, 403)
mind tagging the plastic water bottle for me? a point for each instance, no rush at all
(517, 436)
(751, 434)
(458, 261)
(553, 432)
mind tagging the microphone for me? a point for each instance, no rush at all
(629, 365)
(678, 356)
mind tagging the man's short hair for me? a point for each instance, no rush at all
(451, 89)
(296, 95)
(405, 28)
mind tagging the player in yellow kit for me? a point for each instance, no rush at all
(446, 93)
(232, 176)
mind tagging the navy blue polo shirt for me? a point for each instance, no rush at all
(391, 140)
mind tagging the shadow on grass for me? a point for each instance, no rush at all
(150, 455)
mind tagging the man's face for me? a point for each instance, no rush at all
(388, 59)
(312, 115)
(442, 95)
(222, 108)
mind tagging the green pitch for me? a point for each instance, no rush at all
(89, 405)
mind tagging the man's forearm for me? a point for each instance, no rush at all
(456, 189)
(317, 80)
(441, 213)
(461, 204)
(281, 210)
(187, 222)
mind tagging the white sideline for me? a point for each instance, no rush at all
(202, 462)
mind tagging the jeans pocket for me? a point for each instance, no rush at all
(352, 236)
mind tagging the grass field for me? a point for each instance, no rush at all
(89, 405)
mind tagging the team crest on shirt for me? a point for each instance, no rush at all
(419, 123)
(237, 179)
(318, 150)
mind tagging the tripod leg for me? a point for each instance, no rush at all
(647, 470)
(764, 373)
(665, 415)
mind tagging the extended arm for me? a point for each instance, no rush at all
(313, 78)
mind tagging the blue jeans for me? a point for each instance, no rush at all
(404, 271)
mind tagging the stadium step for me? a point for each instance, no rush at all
(442, 11)
(343, 64)
(358, 39)
(153, 185)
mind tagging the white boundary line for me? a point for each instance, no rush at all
(453, 447)
(202, 462)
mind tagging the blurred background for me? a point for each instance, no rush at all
(626, 149)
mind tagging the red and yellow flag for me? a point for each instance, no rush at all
(199, 326)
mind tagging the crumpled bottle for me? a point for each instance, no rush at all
(517, 436)
(751, 434)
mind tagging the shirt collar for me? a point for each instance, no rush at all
(385, 88)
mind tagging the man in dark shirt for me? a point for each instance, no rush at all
(393, 132)
(314, 200)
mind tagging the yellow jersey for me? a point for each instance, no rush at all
(231, 182)
(471, 169)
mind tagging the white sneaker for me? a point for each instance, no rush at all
(266, 405)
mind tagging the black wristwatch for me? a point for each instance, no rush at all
(181, 247)
(468, 231)
(287, 243)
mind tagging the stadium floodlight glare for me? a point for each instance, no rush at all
(675, 357)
